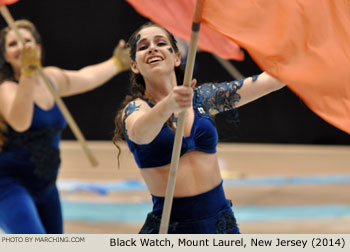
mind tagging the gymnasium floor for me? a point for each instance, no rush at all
(274, 188)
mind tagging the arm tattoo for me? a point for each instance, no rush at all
(130, 108)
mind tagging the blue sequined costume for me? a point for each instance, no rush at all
(207, 212)
(29, 163)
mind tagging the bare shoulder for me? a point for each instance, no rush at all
(8, 90)
(55, 75)
(52, 71)
(137, 105)
(8, 86)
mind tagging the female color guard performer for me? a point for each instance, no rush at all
(147, 121)
(31, 125)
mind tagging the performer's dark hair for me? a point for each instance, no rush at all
(137, 83)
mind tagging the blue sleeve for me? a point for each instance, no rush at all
(213, 98)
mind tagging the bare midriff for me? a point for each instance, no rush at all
(198, 172)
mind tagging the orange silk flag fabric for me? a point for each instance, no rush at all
(6, 2)
(176, 16)
(304, 43)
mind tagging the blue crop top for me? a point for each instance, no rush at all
(203, 138)
(208, 99)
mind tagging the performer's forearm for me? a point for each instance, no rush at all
(147, 126)
(254, 89)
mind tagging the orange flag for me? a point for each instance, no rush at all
(176, 16)
(6, 2)
(303, 43)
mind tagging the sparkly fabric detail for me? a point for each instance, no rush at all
(226, 223)
(38, 143)
(213, 98)
(152, 225)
